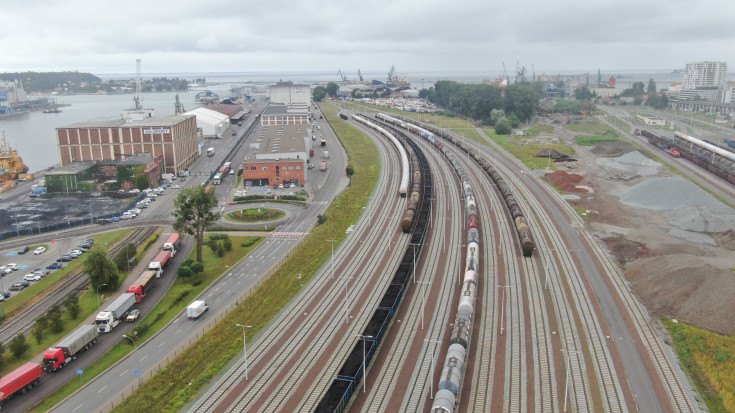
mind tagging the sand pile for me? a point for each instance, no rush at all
(683, 287)
(631, 165)
(565, 181)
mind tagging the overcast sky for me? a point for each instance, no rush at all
(186, 36)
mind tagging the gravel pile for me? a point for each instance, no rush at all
(684, 204)
(628, 166)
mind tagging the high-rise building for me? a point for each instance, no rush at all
(705, 74)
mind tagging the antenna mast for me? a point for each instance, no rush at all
(136, 98)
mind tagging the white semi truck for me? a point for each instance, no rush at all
(114, 313)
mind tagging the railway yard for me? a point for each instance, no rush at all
(488, 312)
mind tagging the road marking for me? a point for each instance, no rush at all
(124, 373)
(162, 344)
(75, 409)
(100, 390)
(177, 331)
(237, 283)
(143, 358)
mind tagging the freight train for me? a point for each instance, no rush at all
(524, 233)
(714, 159)
(339, 393)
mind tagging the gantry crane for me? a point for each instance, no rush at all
(342, 75)
(359, 73)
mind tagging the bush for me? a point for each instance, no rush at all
(250, 242)
(71, 303)
(227, 244)
(18, 345)
(320, 219)
(502, 127)
(153, 239)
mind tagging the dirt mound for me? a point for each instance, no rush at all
(683, 287)
(726, 240)
(565, 181)
(626, 250)
(612, 149)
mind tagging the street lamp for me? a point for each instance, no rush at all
(566, 381)
(137, 372)
(98, 295)
(332, 265)
(244, 348)
(435, 342)
(364, 358)
(345, 290)
(502, 308)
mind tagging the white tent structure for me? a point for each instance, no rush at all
(212, 123)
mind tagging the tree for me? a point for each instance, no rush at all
(183, 272)
(18, 345)
(319, 93)
(194, 212)
(2, 353)
(582, 93)
(197, 268)
(652, 100)
(496, 115)
(502, 126)
(122, 258)
(349, 170)
(663, 102)
(227, 244)
(71, 303)
(53, 315)
(38, 331)
(651, 89)
(637, 100)
(332, 89)
(101, 269)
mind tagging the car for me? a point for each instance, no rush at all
(23, 250)
(114, 219)
(32, 277)
(232, 172)
(153, 195)
(54, 266)
(103, 221)
(5, 271)
(234, 133)
(65, 258)
(280, 186)
(78, 252)
(41, 273)
(127, 215)
(175, 187)
(39, 250)
(17, 286)
(87, 241)
(12, 266)
(292, 185)
(133, 315)
(183, 179)
(134, 191)
(157, 191)
(5, 294)
(148, 190)
(142, 205)
(84, 246)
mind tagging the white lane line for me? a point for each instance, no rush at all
(162, 344)
(75, 409)
(143, 358)
(177, 331)
(100, 390)
(124, 373)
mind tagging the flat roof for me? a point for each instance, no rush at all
(282, 139)
(274, 109)
(72, 168)
(120, 123)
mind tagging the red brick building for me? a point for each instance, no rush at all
(173, 137)
(277, 157)
(262, 173)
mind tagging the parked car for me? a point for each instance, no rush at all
(103, 221)
(12, 266)
(40, 272)
(5, 270)
(114, 219)
(77, 252)
(17, 286)
(183, 179)
(65, 258)
(134, 191)
(133, 315)
(32, 277)
(5, 294)
(54, 266)
(127, 215)
(23, 250)
(175, 186)
(84, 247)
(39, 250)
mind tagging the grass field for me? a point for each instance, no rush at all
(255, 215)
(526, 153)
(589, 140)
(595, 127)
(169, 390)
(176, 298)
(709, 360)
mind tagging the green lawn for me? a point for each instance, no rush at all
(526, 153)
(592, 127)
(255, 215)
(589, 140)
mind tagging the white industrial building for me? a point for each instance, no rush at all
(290, 94)
(211, 123)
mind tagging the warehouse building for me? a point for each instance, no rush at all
(173, 137)
(290, 94)
(211, 123)
(279, 156)
(277, 114)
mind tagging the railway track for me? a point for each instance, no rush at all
(23, 321)
(313, 326)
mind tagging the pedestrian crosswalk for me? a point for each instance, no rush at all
(294, 234)
(326, 202)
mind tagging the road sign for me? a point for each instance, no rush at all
(138, 373)
(80, 371)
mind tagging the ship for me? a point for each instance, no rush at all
(11, 165)
(206, 97)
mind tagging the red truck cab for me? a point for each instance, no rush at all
(54, 358)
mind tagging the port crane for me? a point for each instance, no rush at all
(392, 74)
(359, 73)
(342, 75)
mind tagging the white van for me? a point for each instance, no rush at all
(128, 215)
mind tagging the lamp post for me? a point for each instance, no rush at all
(566, 381)
(98, 295)
(347, 320)
(244, 348)
(137, 371)
(414, 260)
(435, 342)
(332, 265)
(364, 364)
